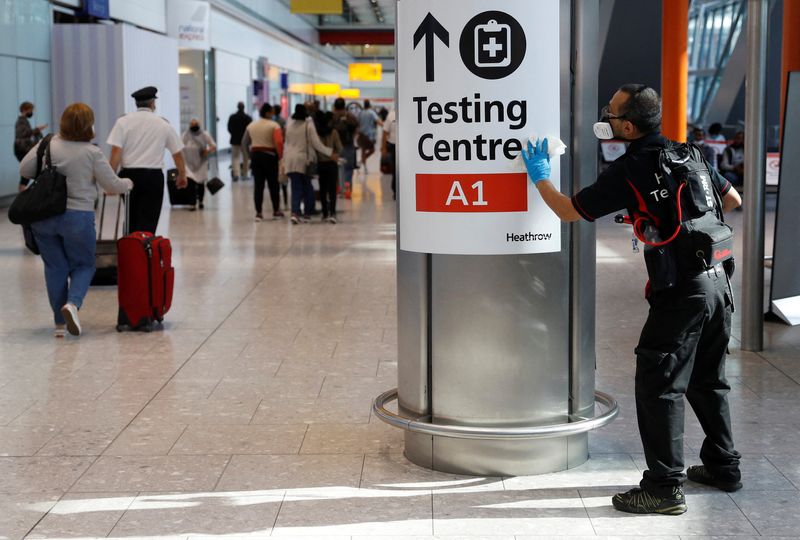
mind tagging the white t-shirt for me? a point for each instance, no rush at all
(196, 164)
(143, 136)
(390, 126)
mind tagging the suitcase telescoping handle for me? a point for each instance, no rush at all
(119, 217)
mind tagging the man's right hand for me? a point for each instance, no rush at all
(537, 160)
(181, 181)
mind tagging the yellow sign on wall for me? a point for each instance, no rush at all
(350, 93)
(301, 88)
(317, 7)
(326, 89)
(366, 72)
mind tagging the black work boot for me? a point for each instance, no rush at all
(640, 501)
(701, 475)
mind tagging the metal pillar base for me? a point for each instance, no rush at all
(496, 451)
(496, 458)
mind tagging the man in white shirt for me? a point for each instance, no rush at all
(138, 140)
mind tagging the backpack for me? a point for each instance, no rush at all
(696, 237)
(346, 126)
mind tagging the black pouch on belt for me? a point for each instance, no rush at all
(662, 269)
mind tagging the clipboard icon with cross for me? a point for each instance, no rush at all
(492, 45)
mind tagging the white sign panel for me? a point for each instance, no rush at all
(188, 21)
(773, 168)
(475, 80)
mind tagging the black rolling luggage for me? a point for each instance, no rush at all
(106, 250)
(180, 197)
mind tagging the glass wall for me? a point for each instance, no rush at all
(714, 27)
(25, 65)
(193, 87)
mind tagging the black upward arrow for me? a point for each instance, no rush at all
(429, 28)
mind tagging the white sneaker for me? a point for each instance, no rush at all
(70, 313)
(259, 218)
(332, 220)
(60, 331)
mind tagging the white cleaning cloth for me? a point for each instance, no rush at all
(555, 147)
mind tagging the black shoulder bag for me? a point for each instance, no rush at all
(46, 196)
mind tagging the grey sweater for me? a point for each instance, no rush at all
(82, 163)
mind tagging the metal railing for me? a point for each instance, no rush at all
(424, 426)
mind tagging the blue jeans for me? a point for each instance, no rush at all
(302, 191)
(67, 243)
(346, 170)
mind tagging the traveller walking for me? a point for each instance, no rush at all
(237, 124)
(732, 162)
(67, 241)
(328, 168)
(137, 141)
(197, 146)
(683, 344)
(346, 125)
(368, 122)
(388, 148)
(301, 142)
(263, 140)
(25, 136)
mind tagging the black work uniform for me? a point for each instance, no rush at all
(684, 341)
(145, 198)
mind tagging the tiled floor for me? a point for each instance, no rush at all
(249, 414)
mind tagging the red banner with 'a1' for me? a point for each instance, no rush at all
(500, 192)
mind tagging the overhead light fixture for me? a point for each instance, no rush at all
(183, 70)
(366, 45)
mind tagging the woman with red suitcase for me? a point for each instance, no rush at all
(67, 241)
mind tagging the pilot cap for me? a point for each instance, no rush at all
(146, 93)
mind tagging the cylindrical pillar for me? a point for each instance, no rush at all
(754, 174)
(790, 47)
(496, 352)
(674, 67)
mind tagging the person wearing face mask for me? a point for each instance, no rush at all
(197, 146)
(67, 241)
(138, 141)
(683, 344)
(25, 136)
(732, 162)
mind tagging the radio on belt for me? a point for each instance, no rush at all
(492, 45)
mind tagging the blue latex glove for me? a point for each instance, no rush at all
(537, 160)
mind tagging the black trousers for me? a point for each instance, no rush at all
(265, 170)
(681, 352)
(392, 150)
(200, 191)
(145, 199)
(328, 180)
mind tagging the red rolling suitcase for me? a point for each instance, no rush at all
(146, 279)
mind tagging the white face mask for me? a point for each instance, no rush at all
(603, 131)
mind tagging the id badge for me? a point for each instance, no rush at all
(492, 45)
